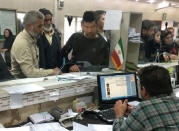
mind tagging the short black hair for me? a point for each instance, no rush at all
(45, 12)
(156, 80)
(98, 14)
(88, 16)
(147, 24)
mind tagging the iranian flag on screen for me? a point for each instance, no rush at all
(118, 55)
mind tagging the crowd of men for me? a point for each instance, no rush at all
(37, 51)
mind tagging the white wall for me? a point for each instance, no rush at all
(77, 7)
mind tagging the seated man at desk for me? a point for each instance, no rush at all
(86, 46)
(158, 111)
(25, 53)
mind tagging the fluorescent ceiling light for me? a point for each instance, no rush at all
(173, 4)
(163, 5)
(151, 1)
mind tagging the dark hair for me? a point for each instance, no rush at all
(170, 28)
(98, 14)
(10, 34)
(156, 80)
(88, 16)
(156, 29)
(147, 24)
(164, 34)
(45, 12)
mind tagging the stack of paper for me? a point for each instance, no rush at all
(41, 117)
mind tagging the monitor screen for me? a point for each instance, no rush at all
(117, 86)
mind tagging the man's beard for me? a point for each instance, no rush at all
(34, 34)
(90, 35)
(48, 28)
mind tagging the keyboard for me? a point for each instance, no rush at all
(107, 115)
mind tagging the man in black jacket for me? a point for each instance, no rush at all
(88, 47)
(49, 44)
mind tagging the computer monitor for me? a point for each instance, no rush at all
(4, 72)
(117, 86)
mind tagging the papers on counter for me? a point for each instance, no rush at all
(26, 128)
(21, 89)
(37, 127)
(98, 127)
(91, 127)
(16, 93)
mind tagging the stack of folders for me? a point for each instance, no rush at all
(41, 117)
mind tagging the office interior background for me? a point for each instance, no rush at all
(151, 9)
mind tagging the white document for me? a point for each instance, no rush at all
(54, 95)
(25, 128)
(21, 89)
(98, 127)
(80, 127)
(73, 76)
(113, 20)
(49, 127)
(135, 103)
(15, 101)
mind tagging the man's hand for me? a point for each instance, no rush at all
(173, 57)
(56, 71)
(4, 50)
(74, 68)
(120, 108)
(129, 109)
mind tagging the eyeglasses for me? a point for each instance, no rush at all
(46, 20)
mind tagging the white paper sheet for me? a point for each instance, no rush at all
(80, 127)
(26, 128)
(135, 103)
(15, 101)
(52, 126)
(113, 20)
(98, 127)
(54, 95)
(21, 89)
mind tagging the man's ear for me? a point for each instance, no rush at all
(145, 93)
(144, 31)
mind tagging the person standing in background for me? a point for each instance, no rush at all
(9, 39)
(100, 17)
(49, 44)
(146, 35)
(168, 48)
(154, 46)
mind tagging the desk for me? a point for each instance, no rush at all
(42, 100)
(164, 64)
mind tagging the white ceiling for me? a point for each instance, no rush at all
(157, 1)
(173, 3)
